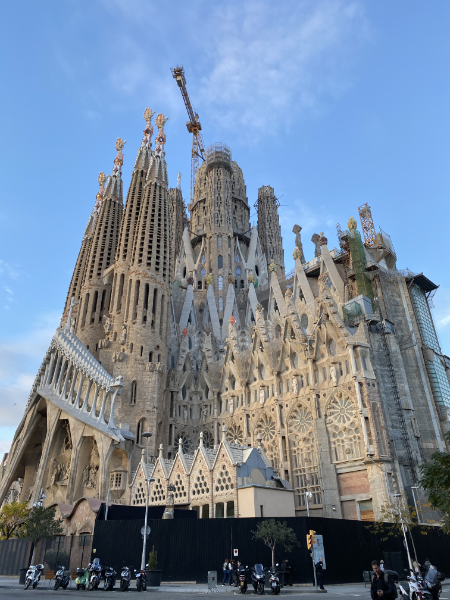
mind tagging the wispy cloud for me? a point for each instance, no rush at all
(19, 361)
(9, 270)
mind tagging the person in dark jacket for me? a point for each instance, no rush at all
(234, 573)
(319, 573)
(380, 588)
(285, 568)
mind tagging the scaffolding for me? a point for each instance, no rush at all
(368, 227)
(358, 256)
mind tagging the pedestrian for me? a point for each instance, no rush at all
(225, 572)
(236, 571)
(382, 587)
(230, 571)
(319, 573)
(285, 568)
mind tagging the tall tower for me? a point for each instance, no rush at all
(269, 229)
(178, 217)
(95, 292)
(219, 223)
(137, 331)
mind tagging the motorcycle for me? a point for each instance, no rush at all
(125, 579)
(110, 578)
(62, 578)
(82, 578)
(33, 576)
(414, 589)
(243, 579)
(95, 572)
(274, 580)
(141, 580)
(258, 579)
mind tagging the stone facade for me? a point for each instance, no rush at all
(184, 329)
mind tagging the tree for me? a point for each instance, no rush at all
(153, 560)
(12, 518)
(392, 514)
(273, 532)
(436, 482)
(41, 523)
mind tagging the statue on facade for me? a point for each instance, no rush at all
(205, 413)
(295, 386)
(333, 375)
(123, 339)
(262, 396)
(107, 325)
(231, 405)
(185, 414)
(298, 242)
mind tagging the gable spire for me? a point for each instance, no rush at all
(114, 187)
(145, 150)
(157, 170)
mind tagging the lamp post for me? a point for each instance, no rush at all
(148, 479)
(403, 529)
(308, 497)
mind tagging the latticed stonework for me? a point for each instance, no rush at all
(193, 332)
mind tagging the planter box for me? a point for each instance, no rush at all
(154, 578)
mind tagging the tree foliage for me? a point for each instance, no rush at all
(273, 532)
(436, 483)
(42, 523)
(12, 519)
(153, 560)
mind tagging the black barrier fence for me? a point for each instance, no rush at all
(188, 549)
(14, 554)
(120, 512)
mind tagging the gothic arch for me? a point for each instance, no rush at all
(344, 427)
(267, 428)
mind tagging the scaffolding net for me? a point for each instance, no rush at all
(359, 264)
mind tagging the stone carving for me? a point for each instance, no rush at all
(185, 414)
(60, 473)
(351, 223)
(322, 240)
(118, 356)
(251, 278)
(315, 240)
(67, 442)
(123, 339)
(205, 413)
(262, 396)
(154, 367)
(210, 279)
(107, 325)
(294, 386)
(231, 405)
(272, 267)
(298, 244)
(89, 479)
(333, 375)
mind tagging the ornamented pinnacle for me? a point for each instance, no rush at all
(118, 161)
(101, 191)
(148, 131)
(351, 223)
(160, 140)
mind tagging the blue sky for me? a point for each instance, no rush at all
(333, 103)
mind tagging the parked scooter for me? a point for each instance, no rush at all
(125, 579)
(33, 576)
(258, 579)
(62, 578)
(243, 579)
(274, 580)
(82, 579)
(95, 572)
(110, 578)
(141, 580)
(415, 588)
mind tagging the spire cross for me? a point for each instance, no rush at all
(160, 140)
(118, 161)
(148, 131)
(101, 191)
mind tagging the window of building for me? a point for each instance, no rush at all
(203, 272)
(133, 392)
(238, 270)
(199, 284)
(84, 539)
(219, 242)
(220, 304)
(220, 283)
(220, 261)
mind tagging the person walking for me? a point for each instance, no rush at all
(236, 568)
(319, 573)
(225, 568)
(233, 576)
(285, 568)
(382, 587)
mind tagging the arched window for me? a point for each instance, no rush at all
(220, 261)
(133, 392)
(220, 304)
(219, 242)
(142, 427)
(220, 282)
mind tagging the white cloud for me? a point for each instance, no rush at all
(20, 359)
(10, 270)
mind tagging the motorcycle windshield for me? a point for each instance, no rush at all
(259, 569)
(96, 561)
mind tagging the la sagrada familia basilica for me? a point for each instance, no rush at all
(327, 382)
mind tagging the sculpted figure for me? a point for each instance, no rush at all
(315, 240)
(185, 414)
(231, 405)
(124, 334)
(205, 413)
(333, 375)
(295, 386)
(262, 396)
(298, 242)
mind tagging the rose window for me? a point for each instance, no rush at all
(208, 439)
(341, 411)
(301, 420)
(234, 432)
(266, 427)
(186, 442)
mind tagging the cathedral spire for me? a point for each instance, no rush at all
(145, 150)
(114, 187)
(157, 170)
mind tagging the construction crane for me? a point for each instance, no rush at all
(368, 227)
(193, 126)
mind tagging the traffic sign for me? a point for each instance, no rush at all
(319, 551)
(235, 552)
(145, 532)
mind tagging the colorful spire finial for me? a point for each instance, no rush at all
(118, 161)
(101, 191)
(160, 140)
(148, 131)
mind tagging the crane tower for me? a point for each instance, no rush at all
(193, 126)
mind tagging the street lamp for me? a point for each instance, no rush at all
(148, 479)
(404, 530)
(308, 497)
